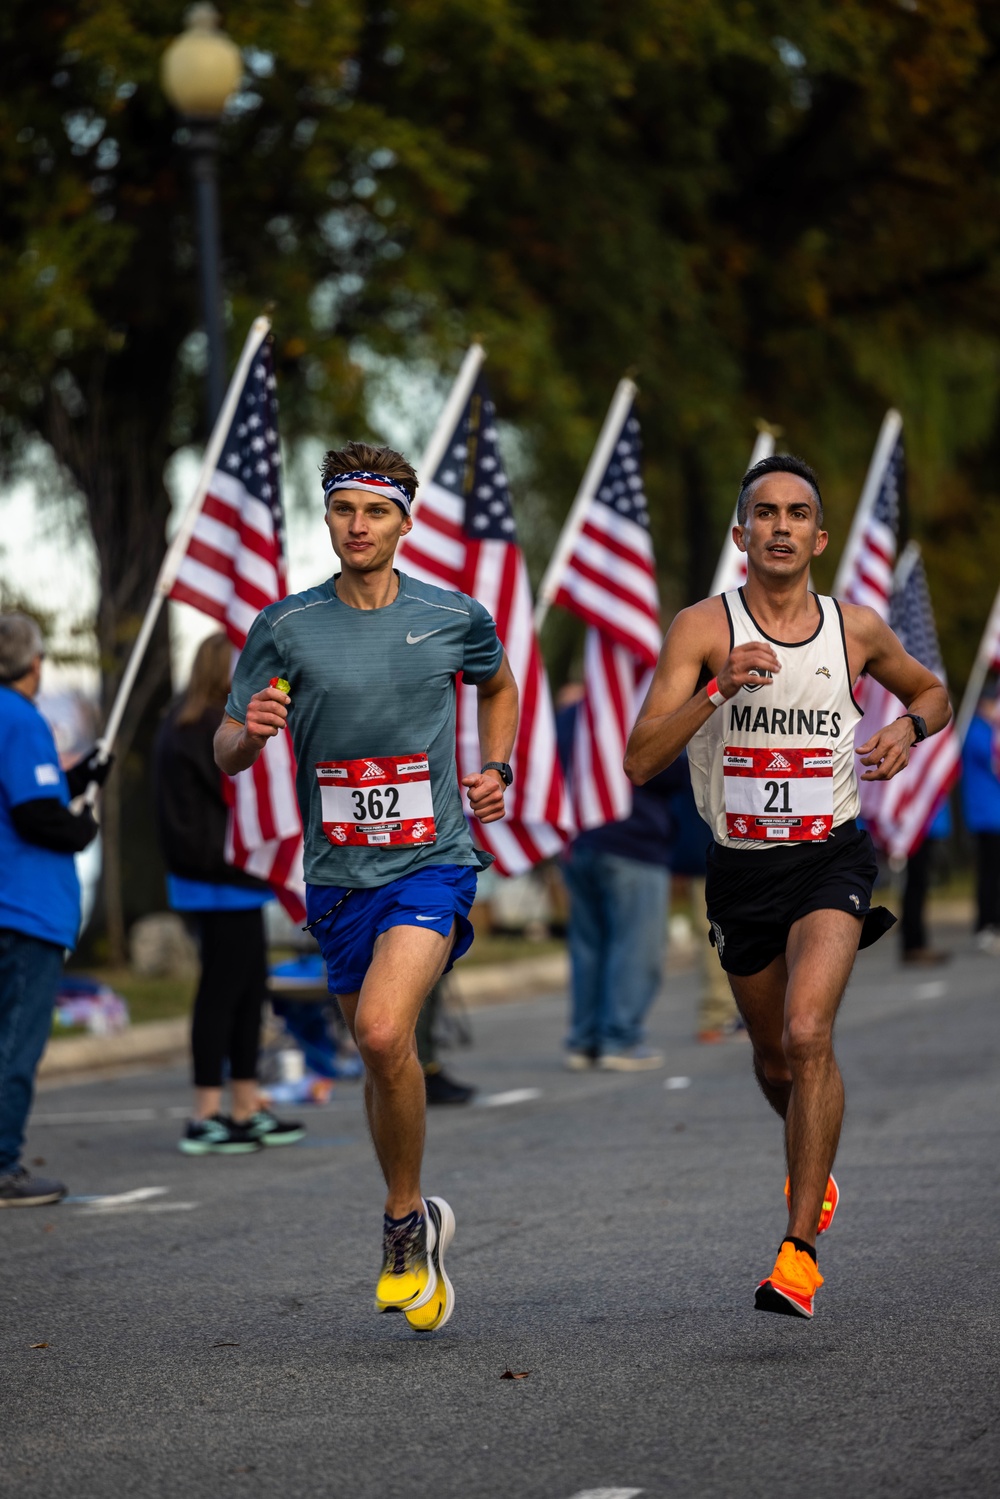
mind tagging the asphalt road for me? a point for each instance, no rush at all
(215, 1336)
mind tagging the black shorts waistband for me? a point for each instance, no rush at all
(788, 853)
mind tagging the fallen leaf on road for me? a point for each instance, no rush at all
(38, 1345)
(509, 1374)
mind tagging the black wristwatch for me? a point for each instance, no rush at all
(919, 727)
(506, 774)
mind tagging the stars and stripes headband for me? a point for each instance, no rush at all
(363, 478)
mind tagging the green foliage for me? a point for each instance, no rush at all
(769, 210)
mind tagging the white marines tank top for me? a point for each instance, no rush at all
(775, 766)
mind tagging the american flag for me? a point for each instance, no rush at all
(899, 812)
(865, 575)
(464, 537)
(233, 567)
(609, 580)
(731, 568)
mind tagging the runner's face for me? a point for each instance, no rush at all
(782, 533)
(365, 529)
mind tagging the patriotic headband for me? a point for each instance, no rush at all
(363, 478)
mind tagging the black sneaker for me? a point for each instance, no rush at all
(270, 1130)
(19, 1189)
(217, 1136)
(443, 1089)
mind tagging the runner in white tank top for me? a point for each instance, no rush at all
(758, 685)
(776, 767)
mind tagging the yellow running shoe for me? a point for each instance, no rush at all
(830, 1199)
(408, 1277)
(791, 1285)
(433, 1315)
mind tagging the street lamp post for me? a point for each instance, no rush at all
(199, 70)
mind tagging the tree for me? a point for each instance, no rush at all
(771, 210)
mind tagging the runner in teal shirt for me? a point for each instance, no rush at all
(370, 661)
(369, 683)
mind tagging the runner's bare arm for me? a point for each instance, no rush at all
(497, 732)
(237, 745)
(887, 752)
(674, 710)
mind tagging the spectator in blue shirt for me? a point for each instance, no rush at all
(39, 892)
(981, 806)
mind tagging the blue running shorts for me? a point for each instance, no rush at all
(346, 922)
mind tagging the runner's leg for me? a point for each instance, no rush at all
(820, 955)
(407, 963)
(760, 998)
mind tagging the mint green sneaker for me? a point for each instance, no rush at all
(217, 1136)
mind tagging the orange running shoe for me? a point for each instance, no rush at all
(830, 1199)
(791, 1285)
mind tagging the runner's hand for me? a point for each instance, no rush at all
(486, 796)
(754, 662)
(888, 751)
(267, 714)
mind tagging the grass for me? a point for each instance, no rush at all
(171, 998)
(147, 998)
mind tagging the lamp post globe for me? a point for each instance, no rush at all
(198, 71)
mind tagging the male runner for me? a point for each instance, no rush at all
(370, 659)
(758, 683)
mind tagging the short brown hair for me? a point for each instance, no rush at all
(376, 460)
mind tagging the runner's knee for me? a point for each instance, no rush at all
(384, 1047)
(807, 1038)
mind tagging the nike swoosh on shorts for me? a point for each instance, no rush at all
(426, 918)
(412, 639)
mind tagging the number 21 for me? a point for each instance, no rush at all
(771, 804)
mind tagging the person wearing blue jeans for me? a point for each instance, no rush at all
(618, 879)
(39, 893)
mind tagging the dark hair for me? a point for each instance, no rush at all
(778, 463)
(209, 684)
(377, 460)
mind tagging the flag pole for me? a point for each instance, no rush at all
(977, 676)
(621, 401)
(892, 425)
(177, 548)
(452, 410)
(763, 448)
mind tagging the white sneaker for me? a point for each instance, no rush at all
(988, 941)
(632, 1059)
(578, 1061)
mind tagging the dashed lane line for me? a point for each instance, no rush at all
(513, 1095)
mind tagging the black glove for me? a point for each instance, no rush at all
(91, 768)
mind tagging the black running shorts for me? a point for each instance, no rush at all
(754, 897)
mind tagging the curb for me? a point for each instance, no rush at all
(158, 1042)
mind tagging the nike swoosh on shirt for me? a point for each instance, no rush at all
(412, 639)
(426, 918)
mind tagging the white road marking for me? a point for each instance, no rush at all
(120, 1199)
(139, 1200)
(608, 1493)
(515, 1095)
(934, 990)
(671, 1083)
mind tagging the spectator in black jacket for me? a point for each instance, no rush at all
(618, 877)
(225, 907)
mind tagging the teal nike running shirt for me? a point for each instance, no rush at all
(372, 683)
